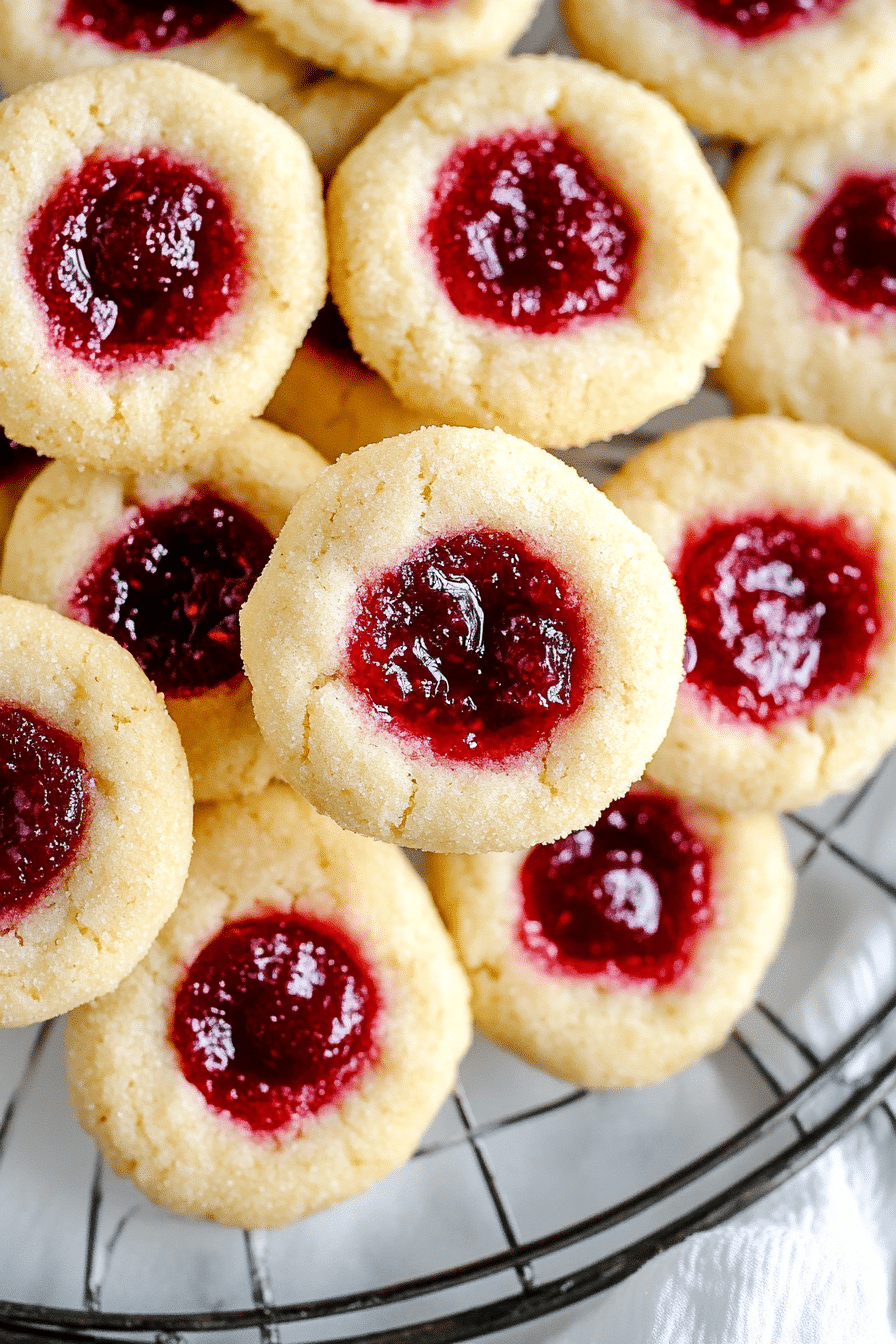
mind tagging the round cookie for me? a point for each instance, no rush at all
(203, 265)
(162, 563)
(535, 245)
(332, 115)
(816, 337)
(95, 809)
(782, 540)
(752, 70)
(256, 1138)
(458, 646)
(46, 39)
(627, 950)
(396, 43)
(330, 397)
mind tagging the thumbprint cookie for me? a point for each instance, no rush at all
(163, 563)
(332, 115)
(459, 645)
(782, 541)
(95, 813)
(534, 245)
(292, 1032)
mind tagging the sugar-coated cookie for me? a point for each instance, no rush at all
(333, 114)
(162, 563)
(537, 245)
(95, 810)
(782, 540)
(816, 337)
(291, 1034)
(161, 257)
(746, 70)
(459, 645)
(46, 39)
(395, 42)
(626, 950)
(330, 397)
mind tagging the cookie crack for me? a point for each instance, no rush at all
(399, 830)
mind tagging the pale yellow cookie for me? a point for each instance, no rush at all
(154, 412)
(72, 929)
(69, 517)
(797, 732)
(497, 770)
(395, 44)
(37, 45)
(589, 377)
(272, 856)
(809, 75)
(332, 115)
(649, 992)
(796, 350)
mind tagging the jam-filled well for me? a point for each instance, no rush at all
(752, 20)
(132, 258)
(169, 589)
(783, 613)
(626, 898)
(849, 247)
(522, 232)
(474, 646)
(138, 26)
(44, 809)
(276, 1018)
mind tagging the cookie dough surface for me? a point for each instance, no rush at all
(366, 514)
(598, 1032)
(156, 414)
(101, 916)
(587, 382)
(395, 45)
(795, 351)
(69, 515)
(726, 468)
(808, 76)
(332, 115)
(272, 852)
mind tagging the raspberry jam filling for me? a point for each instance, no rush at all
(18, 464)
(276, 1018)
(130, 259)
(328, 334)
(751, 20)
(475, 646)
(849, 248)
(170, 588)
(134, 25)
(783, 614)
(44, 808)
(625, 898)
(523, 233)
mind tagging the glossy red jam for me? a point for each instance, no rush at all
(328, 334)
(474, 647)
(44, 809)
(625, 898)
(783, 613)
(18, 464)
(134, 25)
(523, 233)
(849, 248)
(275, 1019)
(131, 259)
(751, 20)
(170, 588)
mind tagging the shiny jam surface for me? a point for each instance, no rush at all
(170, 588)
(523, 233)
(783, 613)
(475, 647)
(44, 809)
(751, 20)
(18, 464)
(626, 898)
(133, 258)
(275, 1019)
(134, 25)
(849, 248)
(329, 334)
